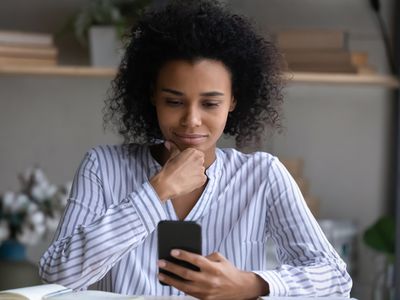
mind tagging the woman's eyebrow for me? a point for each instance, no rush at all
(205, 94)
(175, 92)
(212, 94)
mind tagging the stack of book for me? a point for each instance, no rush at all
(27, 49)
(295, 167)
(323, 51)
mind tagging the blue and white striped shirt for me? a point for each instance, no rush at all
(107, 235)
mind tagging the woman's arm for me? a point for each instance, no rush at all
(309, 264)
(91, 238)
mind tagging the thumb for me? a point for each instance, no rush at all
(172, 149)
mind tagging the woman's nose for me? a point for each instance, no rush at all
(191, 118)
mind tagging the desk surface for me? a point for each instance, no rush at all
(264, 298)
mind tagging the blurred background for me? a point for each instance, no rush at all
(339, 123)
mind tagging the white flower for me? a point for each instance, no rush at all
(31, 208)
(39, 192)
(4, 231)
(43, 191)
(14, 203)
(40, 202)
(51, 190)
(37, 218)
(27, 236)
(21, 202)
(40, 230)
(8, 200)
(39, 177)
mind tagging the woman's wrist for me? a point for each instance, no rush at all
(158, 185)
(255, 286)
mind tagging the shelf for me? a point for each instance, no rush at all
(346, 79)
(58, 71)
(297, 77)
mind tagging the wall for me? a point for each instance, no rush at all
(342, 133)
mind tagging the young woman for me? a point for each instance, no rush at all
(192, 71)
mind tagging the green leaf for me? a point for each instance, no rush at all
(119, 13)
(381, 235)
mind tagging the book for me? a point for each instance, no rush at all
(26, 38)
(28, 51)
(312, 39)
(16, 61)
(320, 68)
(37, 292)
(325, 57)
(327, 61)
(59, 292)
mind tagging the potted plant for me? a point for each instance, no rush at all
(26, 215)
(101, 25)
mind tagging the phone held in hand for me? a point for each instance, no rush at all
(185, 235)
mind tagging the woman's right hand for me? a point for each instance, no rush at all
(182, 173)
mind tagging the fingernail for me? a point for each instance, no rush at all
(161, 277)
(175, 253)
(161, 263)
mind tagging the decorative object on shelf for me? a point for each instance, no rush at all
(25, 216)
(381, 237)
(105, 46)
(19, 48)
(101, 25)
(321, 51)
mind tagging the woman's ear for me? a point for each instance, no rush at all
(233, 104)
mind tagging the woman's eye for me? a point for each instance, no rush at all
(173, 102)
(211, 104)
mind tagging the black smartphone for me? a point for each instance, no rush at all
(185, 235)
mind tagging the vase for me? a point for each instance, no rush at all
(105, 46)
(12, 250)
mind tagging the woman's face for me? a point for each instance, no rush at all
(192, 101)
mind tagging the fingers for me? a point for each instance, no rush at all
(172, 148)
(185, 273)
(216, 256)
(195, 259)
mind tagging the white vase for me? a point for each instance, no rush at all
(105, 46)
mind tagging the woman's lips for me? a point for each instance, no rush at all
(190, 139)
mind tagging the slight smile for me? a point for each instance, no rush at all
(191, 138)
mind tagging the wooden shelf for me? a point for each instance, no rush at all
(58, 71)
(346, 79)
(292, 78)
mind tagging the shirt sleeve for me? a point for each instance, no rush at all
(92, 238)
(309, 265)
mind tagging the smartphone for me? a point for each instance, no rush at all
(185, 235)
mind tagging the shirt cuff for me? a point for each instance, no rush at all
(277, 286)
(148, 206)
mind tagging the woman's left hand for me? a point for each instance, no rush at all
(217, 278)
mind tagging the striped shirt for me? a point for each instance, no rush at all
(107, 235)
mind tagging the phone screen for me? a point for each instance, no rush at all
(185, 235)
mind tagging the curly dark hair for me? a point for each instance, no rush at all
(192, 30)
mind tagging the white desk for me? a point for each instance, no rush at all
(264, 298)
